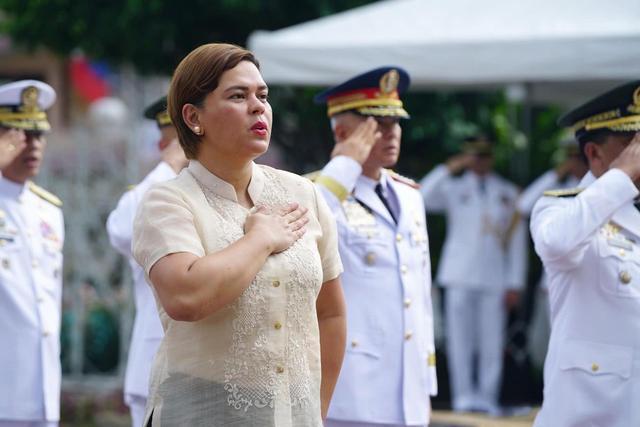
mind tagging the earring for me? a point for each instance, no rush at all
(196, 130)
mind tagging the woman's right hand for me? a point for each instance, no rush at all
(279, 228)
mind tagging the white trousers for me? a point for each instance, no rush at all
(475, 331)
(11, 423)
(137, 405)
(337, 423)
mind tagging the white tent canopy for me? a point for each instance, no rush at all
(561, 48)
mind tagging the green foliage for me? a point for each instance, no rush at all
(101, 340)
(439, 122)
(153, 35)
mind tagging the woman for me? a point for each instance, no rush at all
(243, 261)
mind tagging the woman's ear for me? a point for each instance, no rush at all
(191, 116)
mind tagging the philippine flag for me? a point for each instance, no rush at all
(89, 78)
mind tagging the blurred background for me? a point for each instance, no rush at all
(507, 69)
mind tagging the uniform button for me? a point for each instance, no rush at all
(625, 277)
(354, 343)
(622, 252)
(34, 263)
(45, 333)
(407, 302)
(398, 237)
(431, 359)
(408, 335)
(275, 283)
(370, 258)
(39, 299)
(403, 269)
(280, 369)
(6, 264)
(595, 367)
(277, 325)
(29, 233)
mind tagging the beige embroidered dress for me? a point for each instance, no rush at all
(257, 361)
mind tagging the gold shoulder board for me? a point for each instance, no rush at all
(563, 192)
(45, 195)
(403, 179)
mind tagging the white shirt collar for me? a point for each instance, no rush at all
(12, 189)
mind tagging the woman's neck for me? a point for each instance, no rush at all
(234, 172)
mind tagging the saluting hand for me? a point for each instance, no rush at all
(458, 163)
(358, 145)
(629, 160)
(281, 228)
(12, 142)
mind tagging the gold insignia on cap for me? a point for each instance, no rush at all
(635, 107)
(29, 99)
(163, 118)
(389, 81)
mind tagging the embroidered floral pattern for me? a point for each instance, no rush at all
(252, 376)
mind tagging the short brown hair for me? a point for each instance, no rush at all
(197, 75)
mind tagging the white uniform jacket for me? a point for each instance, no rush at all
(483, 249)
(590, 247)
(389, 367)
(31, 238)
(547, 181)
(147, 329)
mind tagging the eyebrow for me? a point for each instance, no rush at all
(245, 88)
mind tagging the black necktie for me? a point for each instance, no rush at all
(385, 202)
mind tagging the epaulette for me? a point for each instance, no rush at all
(563, 192)
(45, 195)
(403, 179)
(312, 175)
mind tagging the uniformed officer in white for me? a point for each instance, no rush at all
(388, 371)
(482, 267)
(31, 238)
(147, 329)
(589, 242)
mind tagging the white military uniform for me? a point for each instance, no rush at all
(539, 326)
(31, 239)
(589, 245)
(147, 329)
(388, 371)
(482, 257)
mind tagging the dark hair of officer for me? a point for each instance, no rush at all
(197, 75)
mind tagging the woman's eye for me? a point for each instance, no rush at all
(237, 96)
(263, 97)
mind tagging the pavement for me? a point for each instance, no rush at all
(440, 418)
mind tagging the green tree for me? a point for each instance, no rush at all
(153, 35)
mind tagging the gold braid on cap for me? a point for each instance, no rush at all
(615, 120)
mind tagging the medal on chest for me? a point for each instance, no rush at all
(359, 217)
